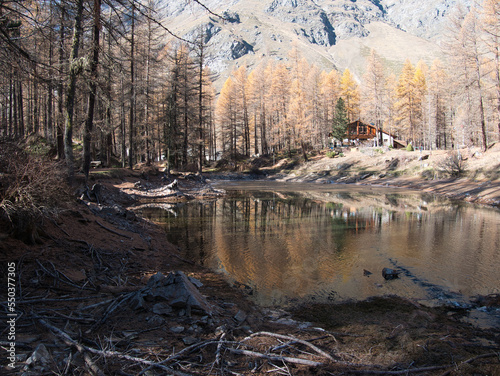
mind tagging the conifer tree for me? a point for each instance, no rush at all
(374, 93)
(280, 98)
(340, 121)
(257, 86)
(491, 25)
(349, 91)
(226, 115)
(438, 99)
(330, 93)
(407, 105)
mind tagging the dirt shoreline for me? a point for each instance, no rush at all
(426, 171)
(92, 257)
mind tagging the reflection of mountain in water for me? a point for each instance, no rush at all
(293, 245)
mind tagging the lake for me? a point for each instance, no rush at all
(296, 242)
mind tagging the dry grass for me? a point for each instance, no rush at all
(31, 188)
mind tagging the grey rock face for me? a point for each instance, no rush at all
(250, 30)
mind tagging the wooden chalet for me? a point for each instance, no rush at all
(358, 132)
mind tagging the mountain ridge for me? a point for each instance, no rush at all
(334, 34)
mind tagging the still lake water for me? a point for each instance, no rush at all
(296, 242)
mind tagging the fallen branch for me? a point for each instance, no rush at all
(489, 355)
(293, 339)
(56, 274)
(71, 342)
(112, 231)
(107, 354)
(116, 303)
(219, 347)
(180, 353)
(254, 354)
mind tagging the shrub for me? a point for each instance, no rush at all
(454, 164)
(428, 174)
(31, 188)
(331, 153)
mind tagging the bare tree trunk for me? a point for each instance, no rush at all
(201, 133)
(89, 123)
(132, 93)
(147, 99)
(71, 91)
(60, 129)
(481, 104)
(20, 108)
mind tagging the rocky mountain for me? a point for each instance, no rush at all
(331, 33)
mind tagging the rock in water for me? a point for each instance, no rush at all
(390, 273)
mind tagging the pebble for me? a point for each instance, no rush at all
(177, 329)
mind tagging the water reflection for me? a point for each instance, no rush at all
(315, 244)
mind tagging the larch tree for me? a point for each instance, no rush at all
(317, 134)
(374, 98)
(438, 99)
(299, 118)
(94, 61)
(407, 105)
(242, 117)
(75, 68)
(330, 93)
(471, 33)
(462, 47)
(200, 52)
(349, 91)
(280, 99)
(420, 81)
(226, 114)
(391, 85)
(257, 85)
(491, 26)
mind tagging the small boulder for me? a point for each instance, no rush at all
(389, 274)
(177, 290)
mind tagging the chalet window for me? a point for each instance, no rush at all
(362, 129)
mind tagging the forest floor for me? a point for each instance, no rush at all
(83, 304)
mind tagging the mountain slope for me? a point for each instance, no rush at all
(330, 33)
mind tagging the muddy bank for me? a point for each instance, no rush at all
(83, 307)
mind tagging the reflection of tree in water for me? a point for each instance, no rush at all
(288, 245)
(392, 199)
